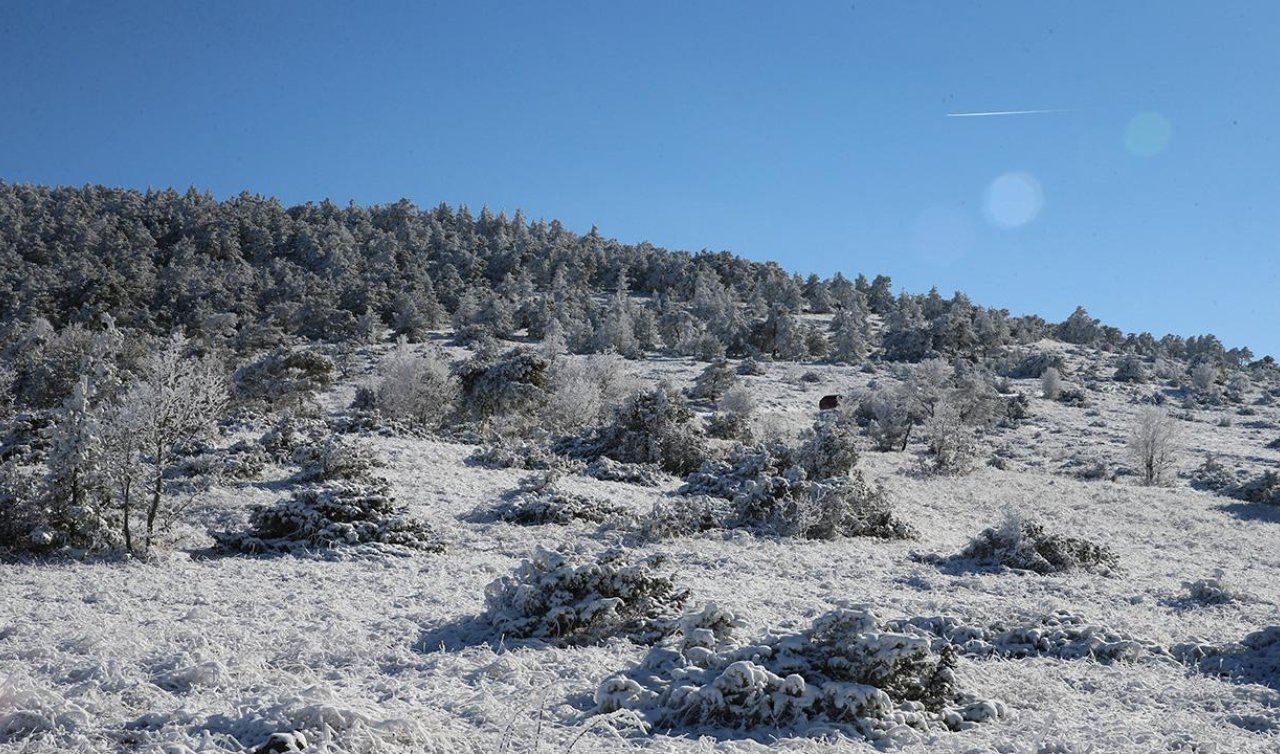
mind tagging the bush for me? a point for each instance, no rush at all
(846, 669)
(333, 459)
(284, 378)
(512, 386)
(335, 514)
(1023, 544)
(951, 445)
(685, 515)
(733, 416)
(526, 454)
(414, 388)
(609, 470)
(772, 494)
(538, 500)
(1151, 448)
(654, 426)
(569, 600)
(713, 382)
(888, 418)
(749, 367)
(1130, 369)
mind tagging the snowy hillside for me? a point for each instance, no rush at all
(1148, 620)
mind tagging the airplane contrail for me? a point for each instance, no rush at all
(1003, 112)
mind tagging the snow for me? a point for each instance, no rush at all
(196, 651)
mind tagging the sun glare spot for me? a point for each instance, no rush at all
(1148, 134)
(1012, 200)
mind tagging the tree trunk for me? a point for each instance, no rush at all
(154, 509)
(128, 536)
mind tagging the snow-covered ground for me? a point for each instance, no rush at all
(382, 653)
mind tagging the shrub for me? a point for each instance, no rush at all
(1023, 544)
(512, 386)
(530, 454)
(335, 514)
(733, 416)
(713, 382)
(1151, 448)
(414, 388)
(571, 600)
(1130, 369)
(284, 378)
(685, 515)
(772, 494)
(1263, 489)
(538, 500)
(333, 459)
(951, 445)
(609, 470)
(888, 417)
(846, 669)
(654, 426)
(1213, 591)
(750, 367)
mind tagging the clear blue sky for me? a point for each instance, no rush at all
(815, 134)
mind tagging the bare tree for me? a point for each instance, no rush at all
(1151, 445)
(1051, 383)
(174, 402)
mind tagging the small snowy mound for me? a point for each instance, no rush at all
(1253, 659)
(1022, 544)
(1061, 636)
(847, 671)
(538, 500)
(556, 597)
(332, 515)
(519, 454)
(609, 470)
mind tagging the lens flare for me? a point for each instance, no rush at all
(1012, 200)
(1148, 134)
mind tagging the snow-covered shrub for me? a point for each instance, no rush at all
(284, 378)
(291, 432)
(511, 386)
(1023, 544)
(1130, 369)
(1151, 440)
(335, 514)
(1215, 590)
(1253, 659)
(772, 494)
(846, 670)
(609, 470)
(1035, 365)
(684, 516)
(887, 412)
(1060, 635)
(558, 597)
(584, 392)
(733, 416)
(1212, 476)
(654, 426)
(713, 382)
(749, 367)
(526, 453)
(1261, 489)
(416, 388)
(951, 444)
(830, 447)
(243, 460)
(539, 500)
(1204, 377)
(1074, 397)
(333, 459)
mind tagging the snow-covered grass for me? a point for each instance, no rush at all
(385, 651)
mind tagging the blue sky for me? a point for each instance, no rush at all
(811, 133)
